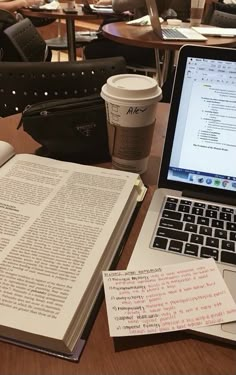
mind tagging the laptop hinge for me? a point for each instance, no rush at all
(209, 197)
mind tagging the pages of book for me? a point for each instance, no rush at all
(61, 226)
(6, 152)
(216, 31)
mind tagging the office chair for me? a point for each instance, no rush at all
(22, 84)
(22, 42)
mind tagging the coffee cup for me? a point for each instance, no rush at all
(197, 8)
(131, 102)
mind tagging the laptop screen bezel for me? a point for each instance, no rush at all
(224, 54)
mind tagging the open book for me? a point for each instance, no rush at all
(61, 224)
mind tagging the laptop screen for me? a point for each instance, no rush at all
(204, 143)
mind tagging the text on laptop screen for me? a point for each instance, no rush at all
(204, 148)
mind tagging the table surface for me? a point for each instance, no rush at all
(59, 14)
(143, 36)
(163, 354)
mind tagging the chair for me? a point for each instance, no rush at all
(217, 6)
(143, 70)
(223, 19)
(6, 19)
(22, 84)
(59, 43)
(22, 42)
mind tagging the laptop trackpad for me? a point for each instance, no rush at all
(230, 279)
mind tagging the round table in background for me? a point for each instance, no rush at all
(143, 36)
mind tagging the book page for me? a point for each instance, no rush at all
(56, 219)
(171, 298)
(6, 152)
(217, 31)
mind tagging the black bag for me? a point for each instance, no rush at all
(69, 129)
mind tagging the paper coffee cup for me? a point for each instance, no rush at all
(131, 101)
(197, 8)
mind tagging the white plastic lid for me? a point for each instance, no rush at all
(131, 87)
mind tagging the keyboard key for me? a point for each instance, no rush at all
(219, 233)
(160, 242)
(170, 233)
(172, 215)
(207, 231)
(170, 206)
(183, 208)
(190, 228)
(199, 204)
(197, 211)
(196, 238)
(217, 223)
(228, 245)
(211, 241)
(191, 249)
(203, 220)
(171, 224)
(186, 202)
(231, 226)
(211, 213)
(173, 200)
(232, 236)
(212, 207)
(225, 216)
(189, 218)
(176, 246)
(227, 209)
(228, 257)
(207, 252)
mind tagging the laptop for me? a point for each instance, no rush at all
(170, 32)
(192, 214)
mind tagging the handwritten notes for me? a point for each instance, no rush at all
(171, 298)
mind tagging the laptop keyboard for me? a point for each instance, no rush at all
(197, 229)
(173, 34)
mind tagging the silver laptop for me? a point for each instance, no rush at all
(170, 32)
(193, 211)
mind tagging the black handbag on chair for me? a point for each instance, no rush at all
(70, 129)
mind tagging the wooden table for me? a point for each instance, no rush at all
(143, 36)
(163, 354)
(70, 22)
